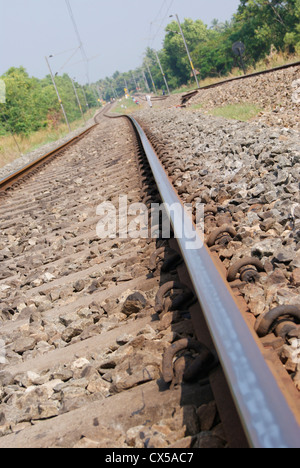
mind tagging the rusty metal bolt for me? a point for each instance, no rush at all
(153, 257)
(210, 210)
(204, 360)
(246, 274)
(267, 322)
(163, 290)
(191, 198)
(221, 235)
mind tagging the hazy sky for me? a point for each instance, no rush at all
(115, 33)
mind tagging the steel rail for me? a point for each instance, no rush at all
(265, 414)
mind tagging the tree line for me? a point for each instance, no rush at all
(262, 25)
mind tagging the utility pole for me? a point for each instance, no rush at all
(87, 105)
(83, 53)
(153, 84)
(97, 91)
(79, 104)
(135, 82)
(58, 96)
(146, 82)
(95, 95)
(187, 50)
(162, 72)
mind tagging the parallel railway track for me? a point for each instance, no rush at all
(68, 378)
(31, 168)
(186, 97)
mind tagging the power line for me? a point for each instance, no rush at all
(156, 19)
(69, 59)
(81, 61)
(162, 21)
(83, 53)
(158, 14)
(64, 52)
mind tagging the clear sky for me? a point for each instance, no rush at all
(114, 33)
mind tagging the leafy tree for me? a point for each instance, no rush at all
(214, 56)
(292, 37)
(263, 23)
(32, 104)
(23, 110)
(177, 61)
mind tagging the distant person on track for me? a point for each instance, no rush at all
(149, 101)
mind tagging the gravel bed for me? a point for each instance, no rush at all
(275, 93)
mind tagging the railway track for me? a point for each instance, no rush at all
(139, 338)
(186, 97)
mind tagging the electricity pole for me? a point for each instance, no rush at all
(135, 82)
(187, 50)
(162, 72)
(146, 82)
(83, 53)
(79, 104)
(58, 96)
(85, 98)
(95, 95)
(153, 84)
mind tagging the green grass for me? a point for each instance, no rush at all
(196, 107)
(128, 106)
(243, 111)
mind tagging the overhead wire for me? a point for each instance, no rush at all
(69, 59)
(81, 46)
(155, 20)
(64, 52)
(162, 21)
